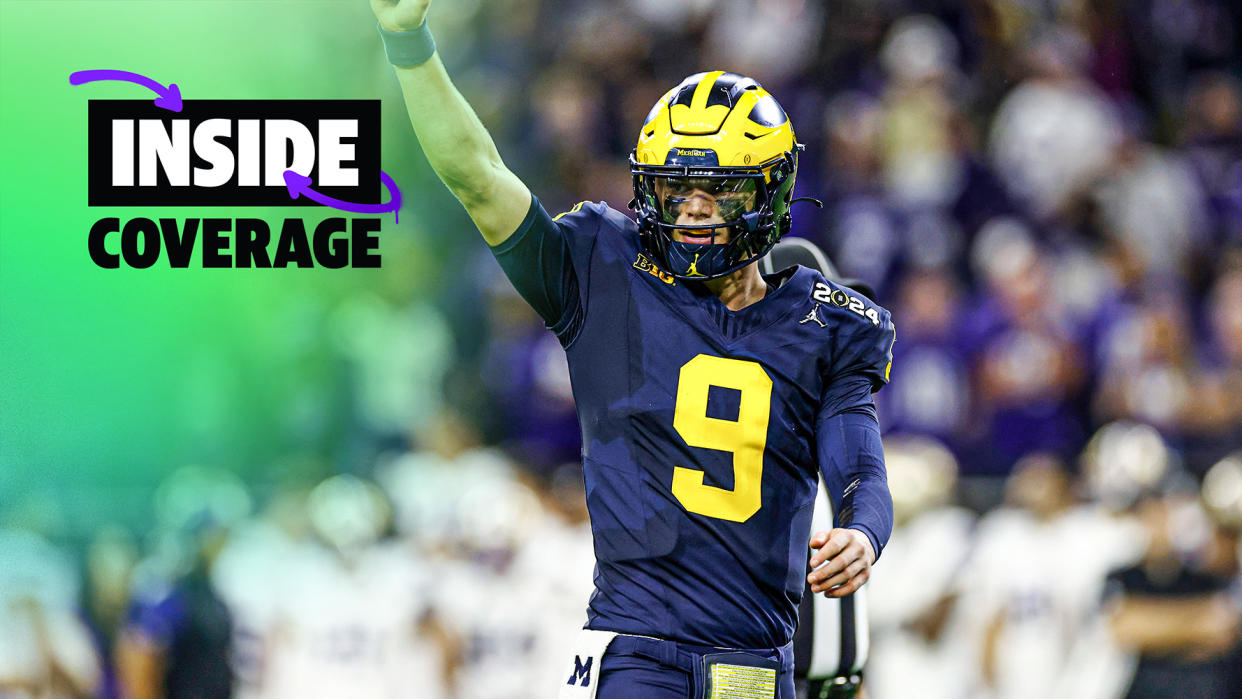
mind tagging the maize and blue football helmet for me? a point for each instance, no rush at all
(723, 135)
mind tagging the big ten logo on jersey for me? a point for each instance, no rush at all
(826, 294)
(642, 263)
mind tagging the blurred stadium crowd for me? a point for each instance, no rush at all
(1046, 193)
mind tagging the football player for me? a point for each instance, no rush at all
(707, 393)
(350, 618)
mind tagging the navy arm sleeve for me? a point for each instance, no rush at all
(537, 259)
(847, 431)
(851, 460)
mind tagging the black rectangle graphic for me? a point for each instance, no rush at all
(166, 168)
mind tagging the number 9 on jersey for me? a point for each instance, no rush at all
(745, 438)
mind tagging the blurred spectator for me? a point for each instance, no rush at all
(920, 160)
(741, 36)
(863, 236)
(935, 397)
(1028, 365)
(1213, 144)
(1214, 425)
(1152, 207)
(1054, 133)
(1147, 375)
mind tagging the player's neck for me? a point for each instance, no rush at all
(739, 289)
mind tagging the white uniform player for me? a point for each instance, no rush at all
(1122, 462)
(558, 561)
(517, 595)
(1021, 590)
(1036, 583)
(252, 574)
(352, 629)
(1097, 668)
(426, 489)
(45, 650)
(497, 620)
(348, 619)
(922, 644)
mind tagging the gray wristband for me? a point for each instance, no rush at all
(408, 49)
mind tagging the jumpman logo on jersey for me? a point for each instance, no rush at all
(813, 316)
(693, 269)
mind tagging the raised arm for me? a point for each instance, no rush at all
(454, 140)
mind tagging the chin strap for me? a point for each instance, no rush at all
(818, 204)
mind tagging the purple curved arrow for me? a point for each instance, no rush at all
(169, 97)
(300, 184)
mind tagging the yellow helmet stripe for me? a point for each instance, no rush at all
(703, 90)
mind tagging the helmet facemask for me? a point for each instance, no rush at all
(744, 209)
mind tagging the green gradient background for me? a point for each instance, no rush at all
(109, 379)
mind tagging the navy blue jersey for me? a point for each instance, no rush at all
(702, 427)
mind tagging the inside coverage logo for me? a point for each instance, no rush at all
(235, 153)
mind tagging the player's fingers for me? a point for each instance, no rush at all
(832, 567)
(851, 571)
(826, 578)
(840, 545)
(818, 539)
(835, 565)
(850, 587)
(833, 543)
